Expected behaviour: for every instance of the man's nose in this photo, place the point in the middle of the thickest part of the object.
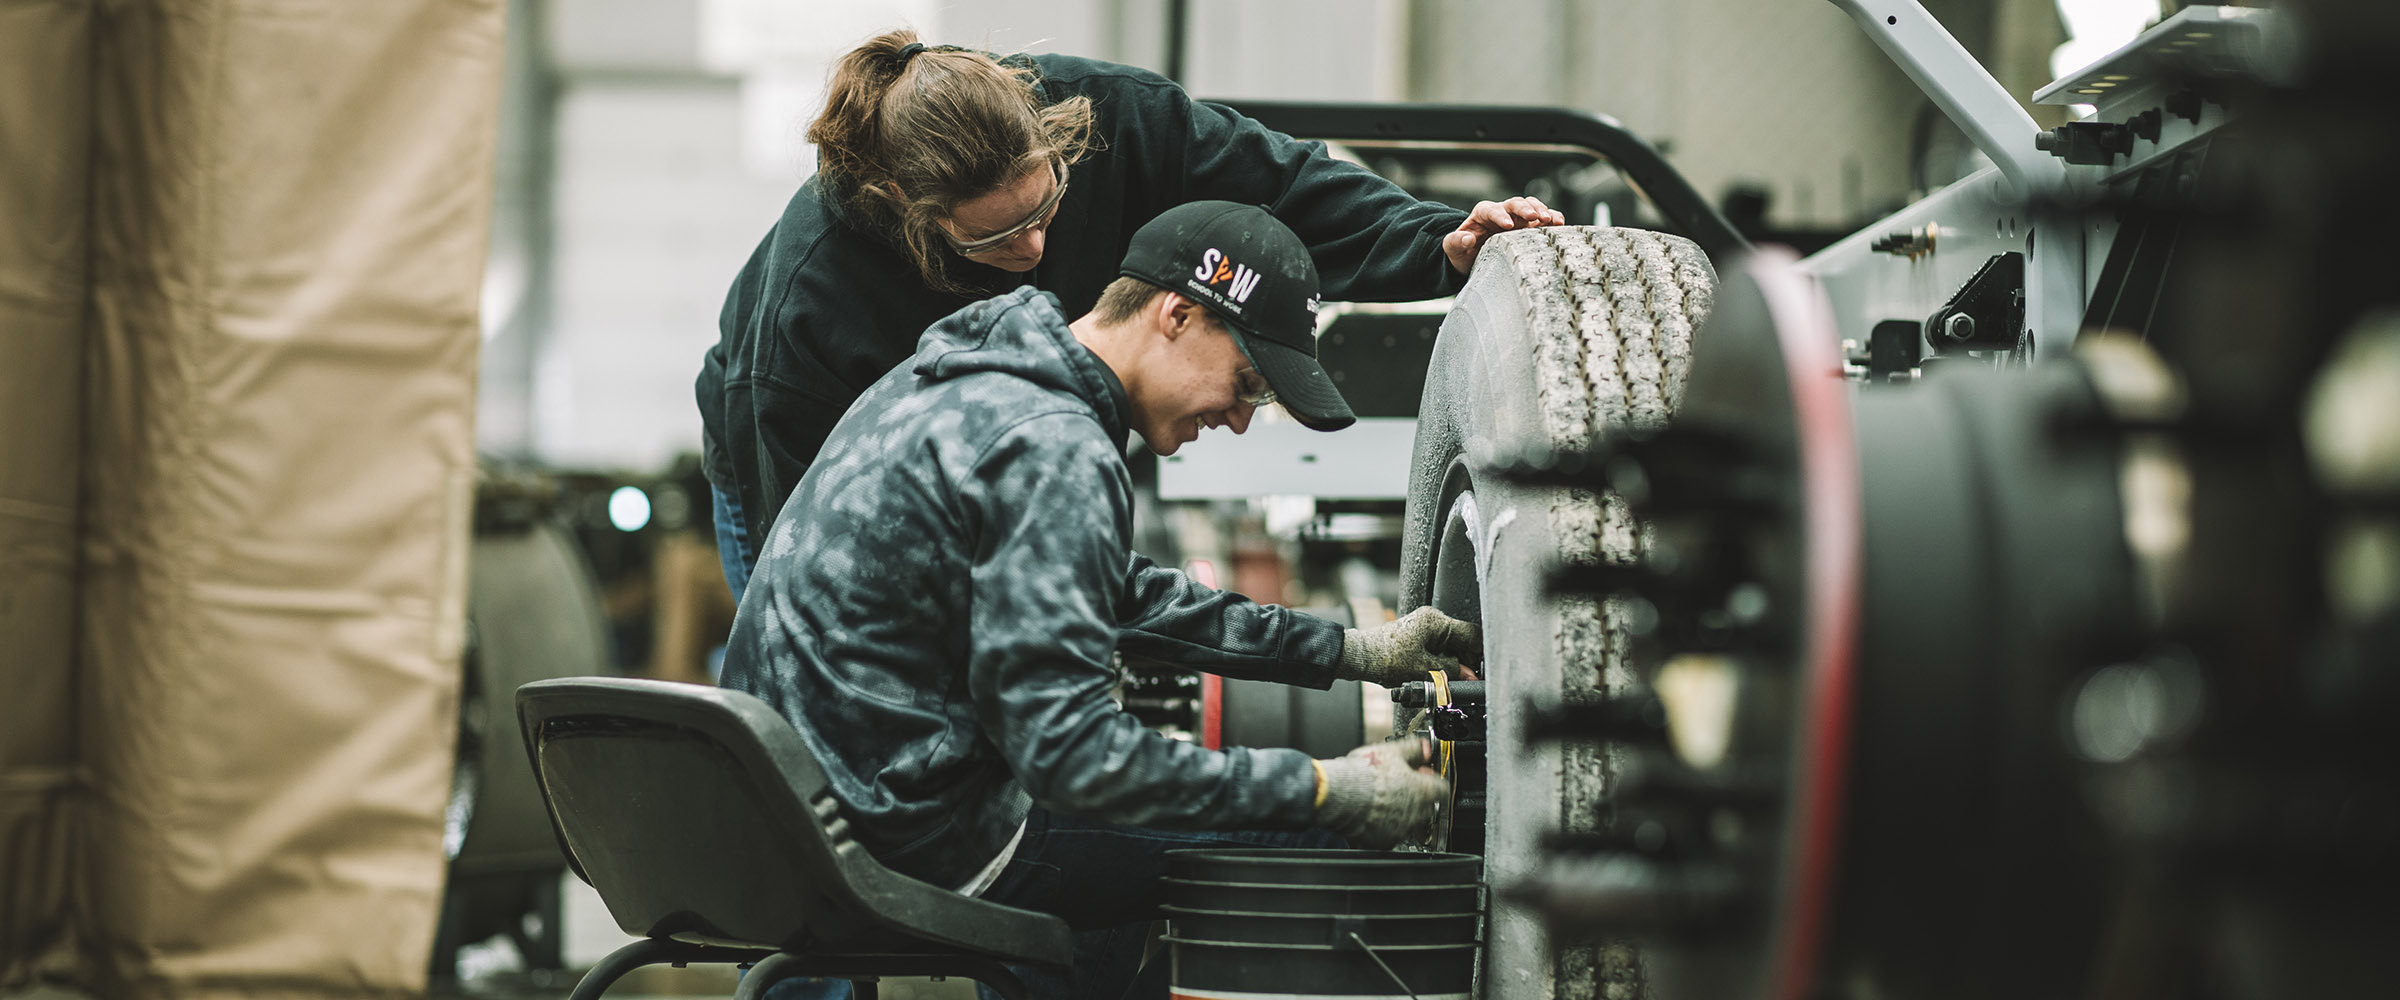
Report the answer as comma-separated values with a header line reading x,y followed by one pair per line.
x,y
1030,242
1238,418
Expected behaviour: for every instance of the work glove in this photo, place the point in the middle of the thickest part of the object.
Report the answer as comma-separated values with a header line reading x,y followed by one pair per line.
x,y
1377,796
1421,642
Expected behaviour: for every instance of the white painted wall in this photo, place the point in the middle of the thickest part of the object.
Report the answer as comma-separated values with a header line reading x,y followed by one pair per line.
x,y
678,139
1323,50
653,213
1785,93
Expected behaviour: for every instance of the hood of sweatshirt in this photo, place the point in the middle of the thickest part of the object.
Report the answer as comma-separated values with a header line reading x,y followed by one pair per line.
x,y
1023,333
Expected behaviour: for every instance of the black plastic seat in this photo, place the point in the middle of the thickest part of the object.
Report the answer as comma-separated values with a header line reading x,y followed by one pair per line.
x,y
709,831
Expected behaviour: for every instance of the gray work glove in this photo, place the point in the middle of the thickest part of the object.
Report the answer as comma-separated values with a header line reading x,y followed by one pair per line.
x,y
1421,642
1376,796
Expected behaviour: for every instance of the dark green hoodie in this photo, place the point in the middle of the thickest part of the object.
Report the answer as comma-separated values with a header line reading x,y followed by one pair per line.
x,y
826,305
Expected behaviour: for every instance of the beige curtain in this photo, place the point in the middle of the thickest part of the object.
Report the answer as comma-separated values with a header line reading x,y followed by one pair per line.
x,y
45,142
279,256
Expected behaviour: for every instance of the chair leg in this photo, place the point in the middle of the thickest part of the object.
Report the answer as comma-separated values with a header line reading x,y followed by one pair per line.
x,y
996,976
649,951
770,970
863,971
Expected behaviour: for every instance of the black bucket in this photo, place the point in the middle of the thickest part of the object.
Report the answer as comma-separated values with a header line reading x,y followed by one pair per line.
x,y
1268,897
1300,923
1300,866
1330,929
1218,970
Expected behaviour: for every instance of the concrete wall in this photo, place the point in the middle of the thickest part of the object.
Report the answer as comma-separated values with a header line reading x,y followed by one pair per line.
x,y
1783,94
674,137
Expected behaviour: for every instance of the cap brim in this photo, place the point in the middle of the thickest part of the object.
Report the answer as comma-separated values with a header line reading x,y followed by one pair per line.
x,y
1301,385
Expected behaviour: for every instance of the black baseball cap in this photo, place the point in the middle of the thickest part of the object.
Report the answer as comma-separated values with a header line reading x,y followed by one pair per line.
x,y
1249,270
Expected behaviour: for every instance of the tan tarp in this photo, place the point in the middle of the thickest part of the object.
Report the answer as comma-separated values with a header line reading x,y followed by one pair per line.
x,y
45,139
286,217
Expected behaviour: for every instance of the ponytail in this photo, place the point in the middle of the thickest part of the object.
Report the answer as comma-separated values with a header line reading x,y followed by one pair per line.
x,y
909,131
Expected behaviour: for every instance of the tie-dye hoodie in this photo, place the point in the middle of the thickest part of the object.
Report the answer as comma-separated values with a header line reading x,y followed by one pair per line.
x,y
936,606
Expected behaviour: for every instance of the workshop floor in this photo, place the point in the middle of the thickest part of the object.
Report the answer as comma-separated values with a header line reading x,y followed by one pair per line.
x,y
660,983
491,972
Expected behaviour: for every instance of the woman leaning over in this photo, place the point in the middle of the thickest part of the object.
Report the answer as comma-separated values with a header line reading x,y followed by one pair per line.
x,y
947,175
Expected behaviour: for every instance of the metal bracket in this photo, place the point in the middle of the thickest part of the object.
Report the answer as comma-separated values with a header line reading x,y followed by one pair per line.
x,y
2026,203
1960,86
1988,313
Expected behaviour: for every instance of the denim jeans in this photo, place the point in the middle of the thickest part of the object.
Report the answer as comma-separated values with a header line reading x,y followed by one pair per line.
x,y
1103,879
733,541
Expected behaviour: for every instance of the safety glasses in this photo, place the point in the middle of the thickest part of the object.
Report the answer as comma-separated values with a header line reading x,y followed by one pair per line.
x,y
1253,388
1039,218
1248,385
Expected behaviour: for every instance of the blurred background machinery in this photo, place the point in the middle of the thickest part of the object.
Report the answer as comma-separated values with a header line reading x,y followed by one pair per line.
x,y
533,613
2055,668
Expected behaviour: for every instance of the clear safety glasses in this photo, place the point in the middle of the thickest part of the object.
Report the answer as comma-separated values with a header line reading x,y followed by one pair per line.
x,y
1039,218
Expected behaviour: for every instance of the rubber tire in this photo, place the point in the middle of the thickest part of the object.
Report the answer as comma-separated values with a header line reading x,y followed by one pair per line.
x,y
1561,337
533,613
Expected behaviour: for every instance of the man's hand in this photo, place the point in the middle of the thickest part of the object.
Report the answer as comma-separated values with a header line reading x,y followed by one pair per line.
x,y
1381,794
1423,641
1491,218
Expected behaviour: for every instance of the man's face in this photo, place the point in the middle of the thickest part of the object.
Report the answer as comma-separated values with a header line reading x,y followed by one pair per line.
x,y
1197,380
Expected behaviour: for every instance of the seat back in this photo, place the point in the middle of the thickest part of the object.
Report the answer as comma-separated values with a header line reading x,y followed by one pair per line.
x,y
693,810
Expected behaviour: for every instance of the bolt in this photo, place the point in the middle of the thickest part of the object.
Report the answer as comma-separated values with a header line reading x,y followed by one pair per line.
x,y
2146,124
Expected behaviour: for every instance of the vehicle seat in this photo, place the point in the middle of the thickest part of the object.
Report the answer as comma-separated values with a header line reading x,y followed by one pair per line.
x,y
710,832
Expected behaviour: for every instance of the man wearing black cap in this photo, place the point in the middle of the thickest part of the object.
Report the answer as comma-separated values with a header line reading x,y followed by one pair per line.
x,y
936,608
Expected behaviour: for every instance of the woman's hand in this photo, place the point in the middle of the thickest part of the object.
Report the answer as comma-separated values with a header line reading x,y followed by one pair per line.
x,y
1491,218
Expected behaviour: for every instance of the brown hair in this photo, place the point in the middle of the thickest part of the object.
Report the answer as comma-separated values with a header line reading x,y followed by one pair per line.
x,y
908,135
1124,299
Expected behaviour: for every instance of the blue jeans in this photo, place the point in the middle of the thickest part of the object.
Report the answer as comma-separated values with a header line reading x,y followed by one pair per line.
x,y
733,541
1104,881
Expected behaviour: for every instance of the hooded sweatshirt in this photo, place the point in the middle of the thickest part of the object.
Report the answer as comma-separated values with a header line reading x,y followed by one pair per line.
x,y
936,607
829,302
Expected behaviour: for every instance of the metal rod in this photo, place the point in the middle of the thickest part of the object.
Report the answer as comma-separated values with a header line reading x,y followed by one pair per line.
x,y
1379,963
1483,127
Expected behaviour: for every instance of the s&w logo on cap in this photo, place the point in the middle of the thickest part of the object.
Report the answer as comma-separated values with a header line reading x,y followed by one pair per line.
x,y
1216,268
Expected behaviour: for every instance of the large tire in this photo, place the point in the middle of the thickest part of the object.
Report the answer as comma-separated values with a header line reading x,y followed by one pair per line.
x,y
1563,336
533,613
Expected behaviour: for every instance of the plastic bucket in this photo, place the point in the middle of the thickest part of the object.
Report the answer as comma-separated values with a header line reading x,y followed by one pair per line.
x,y
1265,897
1221,970
1306,924
1324,867
1331,929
